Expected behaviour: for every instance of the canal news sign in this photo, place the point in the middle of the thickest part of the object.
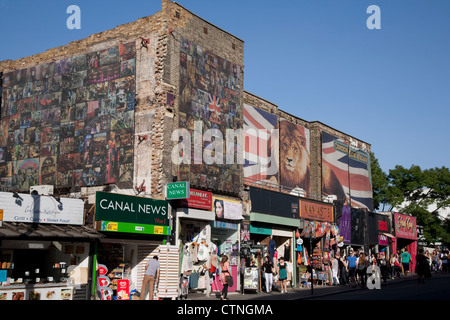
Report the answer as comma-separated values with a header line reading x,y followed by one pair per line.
x,y
131,214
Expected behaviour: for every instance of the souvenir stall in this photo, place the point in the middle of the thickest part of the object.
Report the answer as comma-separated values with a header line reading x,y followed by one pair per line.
x,y
320,238
250,260
315,242
198,258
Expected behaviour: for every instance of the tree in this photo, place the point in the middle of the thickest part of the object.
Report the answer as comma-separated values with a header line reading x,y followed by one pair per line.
x,y
379,183
421,194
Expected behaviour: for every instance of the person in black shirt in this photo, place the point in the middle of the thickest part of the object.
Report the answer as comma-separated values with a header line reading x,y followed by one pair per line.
x,y
268,273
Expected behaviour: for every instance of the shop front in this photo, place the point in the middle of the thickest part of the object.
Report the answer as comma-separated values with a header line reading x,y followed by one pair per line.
x,y
198,256
45,248
273,222
135,230
405,236
225,239
316,242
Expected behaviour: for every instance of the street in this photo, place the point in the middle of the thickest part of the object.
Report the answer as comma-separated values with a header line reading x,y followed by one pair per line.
x,y
435,288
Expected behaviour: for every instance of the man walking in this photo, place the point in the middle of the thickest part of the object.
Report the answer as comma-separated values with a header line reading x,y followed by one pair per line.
x,y
351,262
151,277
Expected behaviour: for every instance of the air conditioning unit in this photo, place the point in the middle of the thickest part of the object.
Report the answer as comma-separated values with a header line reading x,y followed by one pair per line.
x,y
299,192
43,190
331,198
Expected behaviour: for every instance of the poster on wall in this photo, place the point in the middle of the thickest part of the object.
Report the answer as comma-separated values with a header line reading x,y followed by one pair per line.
x,y
360,179
335,167
261,145
346,172
295,171
210,104
69,122
227,209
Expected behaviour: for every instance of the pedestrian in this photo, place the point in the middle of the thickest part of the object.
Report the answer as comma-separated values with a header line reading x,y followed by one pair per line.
x,y
282,274
406,259
224,274
151,277
351,266
444,261
342,269
335,268
422,266
435,263
268,273
382,264
362,265
396,266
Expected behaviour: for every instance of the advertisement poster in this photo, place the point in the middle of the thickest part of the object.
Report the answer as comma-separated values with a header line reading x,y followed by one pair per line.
x,y
227,209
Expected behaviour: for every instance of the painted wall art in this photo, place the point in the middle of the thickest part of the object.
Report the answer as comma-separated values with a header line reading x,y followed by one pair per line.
x,y
210,99
69,122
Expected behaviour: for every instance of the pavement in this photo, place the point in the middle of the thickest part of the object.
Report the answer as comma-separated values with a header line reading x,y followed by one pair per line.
x,y
297,293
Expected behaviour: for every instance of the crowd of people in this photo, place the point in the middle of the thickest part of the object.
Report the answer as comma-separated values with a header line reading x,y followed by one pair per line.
x,y
352,269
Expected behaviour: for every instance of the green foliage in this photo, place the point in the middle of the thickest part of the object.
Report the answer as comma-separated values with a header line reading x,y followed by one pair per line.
x,y
421,193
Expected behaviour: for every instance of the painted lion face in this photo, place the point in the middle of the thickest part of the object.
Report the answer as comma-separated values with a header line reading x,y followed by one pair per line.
x,y
294,157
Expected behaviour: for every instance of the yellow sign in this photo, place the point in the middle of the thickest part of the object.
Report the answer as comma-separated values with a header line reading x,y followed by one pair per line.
x,y
159,230
112,226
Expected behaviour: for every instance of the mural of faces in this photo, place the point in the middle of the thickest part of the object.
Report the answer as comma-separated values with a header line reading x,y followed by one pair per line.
x,y
210,89
69,122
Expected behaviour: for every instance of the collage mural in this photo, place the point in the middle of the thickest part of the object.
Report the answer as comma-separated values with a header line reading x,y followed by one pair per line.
x,y
69,122
210,95
346,172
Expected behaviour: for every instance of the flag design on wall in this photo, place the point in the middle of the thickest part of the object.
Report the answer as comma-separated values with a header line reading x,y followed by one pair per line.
x,y
360,179
260,145
346,172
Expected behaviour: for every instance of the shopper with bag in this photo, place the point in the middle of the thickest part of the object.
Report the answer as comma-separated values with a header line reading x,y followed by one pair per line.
x,y
225,277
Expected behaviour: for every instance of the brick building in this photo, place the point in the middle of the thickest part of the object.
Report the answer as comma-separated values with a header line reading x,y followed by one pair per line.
x,y
98,115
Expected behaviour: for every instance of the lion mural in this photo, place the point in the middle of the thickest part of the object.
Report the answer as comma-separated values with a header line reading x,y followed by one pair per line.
x,y
294,157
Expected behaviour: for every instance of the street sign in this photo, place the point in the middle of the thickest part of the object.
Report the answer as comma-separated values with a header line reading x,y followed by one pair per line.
x,y
177,190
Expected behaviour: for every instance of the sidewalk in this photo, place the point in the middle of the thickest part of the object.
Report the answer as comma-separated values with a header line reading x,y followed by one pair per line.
x,y
297,293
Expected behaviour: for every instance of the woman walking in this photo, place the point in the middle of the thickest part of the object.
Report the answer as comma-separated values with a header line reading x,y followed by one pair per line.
x,y
282,273
225,272
362,265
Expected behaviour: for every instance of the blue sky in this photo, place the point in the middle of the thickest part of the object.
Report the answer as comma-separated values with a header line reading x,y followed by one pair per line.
x,y
315,59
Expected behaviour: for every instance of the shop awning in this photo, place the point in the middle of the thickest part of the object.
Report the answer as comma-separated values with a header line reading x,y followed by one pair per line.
x,y
388,235
272,219
31,230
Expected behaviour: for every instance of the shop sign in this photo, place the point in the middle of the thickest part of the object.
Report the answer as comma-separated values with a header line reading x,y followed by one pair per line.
x,y
125,227
260,230
382,225
131,214
316,211
22,207
177,190
198,199
123,289
383,240
405,226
